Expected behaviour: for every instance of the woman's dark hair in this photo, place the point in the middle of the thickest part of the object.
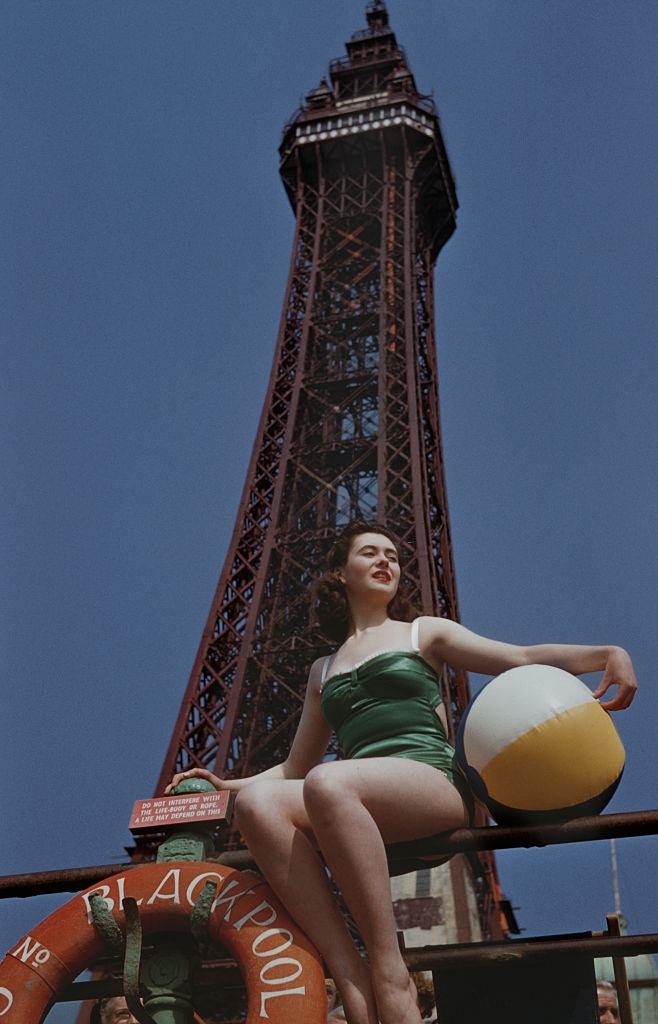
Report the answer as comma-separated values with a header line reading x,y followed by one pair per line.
x,y
332,613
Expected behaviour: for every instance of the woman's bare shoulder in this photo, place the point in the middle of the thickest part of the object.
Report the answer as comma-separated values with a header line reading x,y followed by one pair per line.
x,y
434,627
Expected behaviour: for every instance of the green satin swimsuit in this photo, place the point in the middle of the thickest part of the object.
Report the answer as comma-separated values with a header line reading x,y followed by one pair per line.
x,y
386,707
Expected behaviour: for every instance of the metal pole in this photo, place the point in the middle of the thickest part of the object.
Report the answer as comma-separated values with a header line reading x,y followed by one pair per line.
x,y
604,826
615,877
621,978
483,954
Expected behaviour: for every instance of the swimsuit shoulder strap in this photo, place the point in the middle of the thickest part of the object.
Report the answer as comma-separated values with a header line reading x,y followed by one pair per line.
x,y
325,668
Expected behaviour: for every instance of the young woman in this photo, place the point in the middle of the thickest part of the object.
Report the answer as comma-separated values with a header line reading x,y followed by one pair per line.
x,y
380,692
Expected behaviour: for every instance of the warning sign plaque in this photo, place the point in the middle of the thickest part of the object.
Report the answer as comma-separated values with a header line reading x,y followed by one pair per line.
x,y
187,809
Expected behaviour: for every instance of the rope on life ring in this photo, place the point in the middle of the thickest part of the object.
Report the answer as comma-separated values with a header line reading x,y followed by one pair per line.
x,y
282,971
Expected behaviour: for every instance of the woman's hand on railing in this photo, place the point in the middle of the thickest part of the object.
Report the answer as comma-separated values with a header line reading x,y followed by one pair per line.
x,y
198,773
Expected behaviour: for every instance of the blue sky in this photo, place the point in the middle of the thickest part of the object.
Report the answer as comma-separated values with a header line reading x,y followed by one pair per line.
x,y
144,255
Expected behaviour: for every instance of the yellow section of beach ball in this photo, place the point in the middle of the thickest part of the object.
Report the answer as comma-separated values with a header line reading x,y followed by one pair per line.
x,y
565,760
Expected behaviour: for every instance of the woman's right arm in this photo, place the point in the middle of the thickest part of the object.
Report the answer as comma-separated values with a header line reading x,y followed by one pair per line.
x,y
308,746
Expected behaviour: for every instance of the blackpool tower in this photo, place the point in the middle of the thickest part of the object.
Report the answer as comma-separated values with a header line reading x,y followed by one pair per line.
x,y
349,429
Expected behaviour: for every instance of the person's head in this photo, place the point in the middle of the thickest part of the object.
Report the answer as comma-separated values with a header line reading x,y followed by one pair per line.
x,y
113,1010
424,993
335,1010
362,567
606,994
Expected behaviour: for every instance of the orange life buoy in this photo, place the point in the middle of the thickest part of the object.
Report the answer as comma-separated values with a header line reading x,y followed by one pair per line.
x,y
282,971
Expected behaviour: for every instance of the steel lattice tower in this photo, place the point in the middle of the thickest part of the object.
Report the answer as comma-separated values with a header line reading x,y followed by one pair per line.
x,y
350,424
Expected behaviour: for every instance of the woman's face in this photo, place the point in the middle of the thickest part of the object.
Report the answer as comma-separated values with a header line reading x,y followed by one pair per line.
x,y
372,570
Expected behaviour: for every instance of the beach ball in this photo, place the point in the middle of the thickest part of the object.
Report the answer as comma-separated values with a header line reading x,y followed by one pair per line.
x,y
536,747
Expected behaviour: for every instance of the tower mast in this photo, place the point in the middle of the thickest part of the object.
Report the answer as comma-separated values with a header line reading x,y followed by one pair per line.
x,y
350,424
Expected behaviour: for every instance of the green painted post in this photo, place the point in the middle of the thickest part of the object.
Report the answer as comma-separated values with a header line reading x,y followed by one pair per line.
x,y
166,972
186,842
165,975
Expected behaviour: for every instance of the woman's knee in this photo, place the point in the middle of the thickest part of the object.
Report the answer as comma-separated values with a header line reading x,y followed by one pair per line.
x,y
252,804
324,791
267,801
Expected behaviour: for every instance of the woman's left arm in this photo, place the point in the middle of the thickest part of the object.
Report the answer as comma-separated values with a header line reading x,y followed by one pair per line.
x,y
452,642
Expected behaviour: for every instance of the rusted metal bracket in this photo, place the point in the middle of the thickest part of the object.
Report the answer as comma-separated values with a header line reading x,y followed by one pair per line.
x,y
132,961
105,925
200,915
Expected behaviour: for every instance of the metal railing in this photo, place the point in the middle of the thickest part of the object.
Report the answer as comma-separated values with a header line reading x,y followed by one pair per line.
x,y
429,958
460,840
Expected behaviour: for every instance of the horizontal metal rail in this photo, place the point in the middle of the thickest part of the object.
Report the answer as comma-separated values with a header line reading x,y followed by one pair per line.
x,y
501,837
225,973
461,840
482,954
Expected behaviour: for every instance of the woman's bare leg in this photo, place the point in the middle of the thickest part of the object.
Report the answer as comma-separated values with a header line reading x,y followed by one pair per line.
x,y
273,820
356,806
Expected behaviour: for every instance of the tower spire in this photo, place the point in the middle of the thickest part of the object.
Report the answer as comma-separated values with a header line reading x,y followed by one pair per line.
x,y
377,16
